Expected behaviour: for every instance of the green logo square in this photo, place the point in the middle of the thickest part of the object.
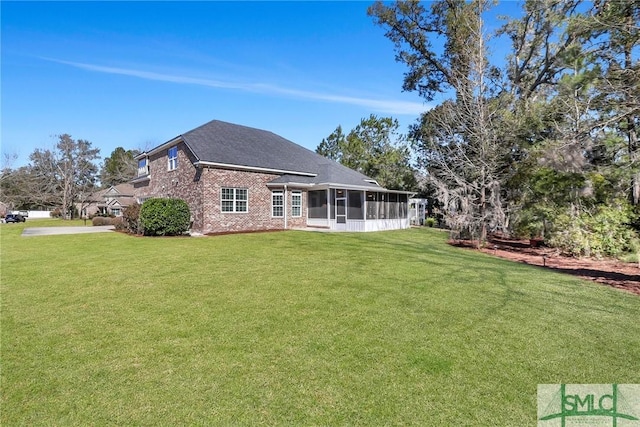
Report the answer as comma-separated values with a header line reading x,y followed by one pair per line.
x,y
585,405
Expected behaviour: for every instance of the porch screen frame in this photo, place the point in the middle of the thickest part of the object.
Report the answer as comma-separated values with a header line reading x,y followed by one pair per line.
x,y
355,205
319,211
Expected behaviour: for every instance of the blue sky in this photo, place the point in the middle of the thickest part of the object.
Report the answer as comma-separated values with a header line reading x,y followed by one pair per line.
x,y
136,74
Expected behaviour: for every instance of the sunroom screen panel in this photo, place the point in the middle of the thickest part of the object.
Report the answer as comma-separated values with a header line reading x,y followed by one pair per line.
x,y
356,210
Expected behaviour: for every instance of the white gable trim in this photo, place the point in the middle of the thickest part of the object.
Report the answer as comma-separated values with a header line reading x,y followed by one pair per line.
x,y
165,146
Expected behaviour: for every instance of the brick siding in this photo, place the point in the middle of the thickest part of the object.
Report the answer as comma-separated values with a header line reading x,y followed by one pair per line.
x,y
201,189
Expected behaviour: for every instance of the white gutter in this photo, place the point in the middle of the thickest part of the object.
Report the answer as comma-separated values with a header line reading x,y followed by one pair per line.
x,y
350,187
362,188
325,185
292,184
251,168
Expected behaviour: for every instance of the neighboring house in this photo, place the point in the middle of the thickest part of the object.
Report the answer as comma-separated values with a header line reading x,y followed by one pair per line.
x,y
236,178
110,201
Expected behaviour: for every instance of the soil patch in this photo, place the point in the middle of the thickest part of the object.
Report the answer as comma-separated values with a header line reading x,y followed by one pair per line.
x,y
609,272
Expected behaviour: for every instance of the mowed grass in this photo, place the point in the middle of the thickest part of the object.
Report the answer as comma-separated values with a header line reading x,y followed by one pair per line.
x,y
294,328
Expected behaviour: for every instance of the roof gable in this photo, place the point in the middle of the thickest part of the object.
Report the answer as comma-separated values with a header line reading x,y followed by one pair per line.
x,y
124,189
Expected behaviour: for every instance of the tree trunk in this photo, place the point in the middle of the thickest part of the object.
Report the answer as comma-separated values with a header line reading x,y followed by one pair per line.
x,y
483,216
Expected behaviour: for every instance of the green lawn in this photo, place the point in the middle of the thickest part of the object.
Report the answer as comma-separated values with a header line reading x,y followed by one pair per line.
x,y
294,328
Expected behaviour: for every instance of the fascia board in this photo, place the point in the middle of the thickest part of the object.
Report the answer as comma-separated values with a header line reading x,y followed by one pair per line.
x,y
251,168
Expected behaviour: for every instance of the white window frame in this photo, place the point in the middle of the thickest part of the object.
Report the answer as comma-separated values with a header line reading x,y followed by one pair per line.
x,y
274,195
143,170
296,203
234,199
172,162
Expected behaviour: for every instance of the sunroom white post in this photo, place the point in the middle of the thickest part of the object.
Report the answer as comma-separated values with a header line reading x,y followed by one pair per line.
x,y
328,205
364,206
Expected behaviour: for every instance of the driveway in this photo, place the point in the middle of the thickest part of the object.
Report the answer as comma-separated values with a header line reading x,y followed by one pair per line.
x,y
50,231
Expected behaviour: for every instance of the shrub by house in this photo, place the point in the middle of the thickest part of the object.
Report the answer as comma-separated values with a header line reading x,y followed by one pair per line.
x,y
164,217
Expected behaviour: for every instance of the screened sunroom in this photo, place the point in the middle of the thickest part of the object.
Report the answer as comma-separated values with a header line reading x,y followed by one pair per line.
x,y
358,210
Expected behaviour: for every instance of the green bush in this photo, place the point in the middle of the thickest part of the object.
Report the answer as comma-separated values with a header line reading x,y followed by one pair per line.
x,y
533,222
631,258
430,222
605,231
131,219
164,217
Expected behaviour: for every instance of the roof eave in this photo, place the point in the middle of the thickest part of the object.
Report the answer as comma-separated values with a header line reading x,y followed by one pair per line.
x,y
251,168
140,179
325,185
291,184
351,186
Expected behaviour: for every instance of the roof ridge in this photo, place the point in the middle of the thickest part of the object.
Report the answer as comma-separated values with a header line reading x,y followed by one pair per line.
x,y
227,123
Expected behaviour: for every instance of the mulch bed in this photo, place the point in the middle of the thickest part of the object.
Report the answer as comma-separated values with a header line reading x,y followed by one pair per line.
x,y
609,272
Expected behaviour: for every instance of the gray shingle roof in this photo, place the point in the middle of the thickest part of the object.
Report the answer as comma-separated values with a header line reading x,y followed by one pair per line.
x,y
231,144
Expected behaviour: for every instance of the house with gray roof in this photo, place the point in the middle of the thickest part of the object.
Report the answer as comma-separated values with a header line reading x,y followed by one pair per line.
x,y
239,179
109,201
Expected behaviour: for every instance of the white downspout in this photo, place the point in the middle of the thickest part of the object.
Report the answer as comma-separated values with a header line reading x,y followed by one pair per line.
x,y
285,206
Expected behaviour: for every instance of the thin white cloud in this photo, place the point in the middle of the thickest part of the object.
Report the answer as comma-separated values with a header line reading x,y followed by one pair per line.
x,y
378,105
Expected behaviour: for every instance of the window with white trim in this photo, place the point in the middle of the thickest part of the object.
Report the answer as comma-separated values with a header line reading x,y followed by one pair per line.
x,y
296,203
143,167
172,156
277,203
234,199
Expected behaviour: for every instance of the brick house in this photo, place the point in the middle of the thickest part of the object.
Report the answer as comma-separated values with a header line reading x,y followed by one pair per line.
x,y
109,201
237,179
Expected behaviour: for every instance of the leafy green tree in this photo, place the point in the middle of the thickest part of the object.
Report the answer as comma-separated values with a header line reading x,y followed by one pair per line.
x,y
612,41
572,61
540,39
331,147
551,135
375,148
444,46
119,167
